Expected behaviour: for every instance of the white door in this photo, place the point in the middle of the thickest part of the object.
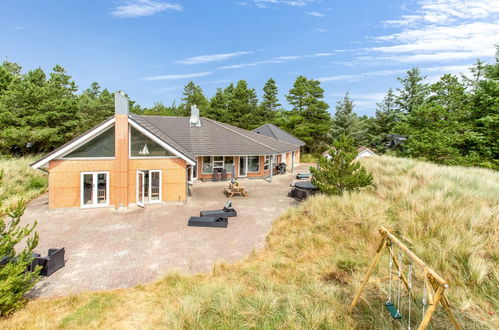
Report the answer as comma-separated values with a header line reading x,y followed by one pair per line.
x,y
140,188
94,189
155,186
243,166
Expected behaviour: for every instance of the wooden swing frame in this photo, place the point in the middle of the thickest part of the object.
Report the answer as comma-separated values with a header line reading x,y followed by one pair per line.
x,y
432,280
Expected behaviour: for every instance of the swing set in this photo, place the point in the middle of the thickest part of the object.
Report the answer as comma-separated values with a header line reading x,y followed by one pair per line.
x,y
434,285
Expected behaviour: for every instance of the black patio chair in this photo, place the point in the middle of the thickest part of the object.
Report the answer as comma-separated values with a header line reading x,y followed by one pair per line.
x,y
52,262
226,212
208,222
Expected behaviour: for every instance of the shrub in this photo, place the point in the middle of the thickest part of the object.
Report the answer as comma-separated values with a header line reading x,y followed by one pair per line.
x,y
15,281
339,172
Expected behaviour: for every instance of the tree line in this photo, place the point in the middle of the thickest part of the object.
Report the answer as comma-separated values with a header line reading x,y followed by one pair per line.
x,y
452,121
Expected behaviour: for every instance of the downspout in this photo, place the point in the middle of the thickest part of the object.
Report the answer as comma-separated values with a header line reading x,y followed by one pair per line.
x,y
271,167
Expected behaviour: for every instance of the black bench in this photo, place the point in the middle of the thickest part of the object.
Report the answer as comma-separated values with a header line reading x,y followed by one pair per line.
x,y
226,212
208,222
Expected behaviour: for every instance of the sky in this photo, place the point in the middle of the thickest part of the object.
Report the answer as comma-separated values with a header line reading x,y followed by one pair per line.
x,y
152,48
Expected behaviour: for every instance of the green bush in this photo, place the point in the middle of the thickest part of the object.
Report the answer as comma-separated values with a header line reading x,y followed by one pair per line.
x,y
15,281
37,182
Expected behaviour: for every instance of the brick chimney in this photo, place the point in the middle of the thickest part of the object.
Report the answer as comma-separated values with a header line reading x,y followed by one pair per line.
x,y
120,179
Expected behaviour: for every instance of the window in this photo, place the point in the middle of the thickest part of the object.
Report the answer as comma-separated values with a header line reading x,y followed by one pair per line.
x,y
218,162
207,165
253,164
142,146
228,163
266,164
100,146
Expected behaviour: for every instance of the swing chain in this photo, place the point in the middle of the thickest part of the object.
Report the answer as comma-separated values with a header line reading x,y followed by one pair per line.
x,y
400,282
409,279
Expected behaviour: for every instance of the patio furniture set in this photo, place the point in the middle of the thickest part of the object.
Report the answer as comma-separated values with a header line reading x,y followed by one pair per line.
x,y
51,263
302,187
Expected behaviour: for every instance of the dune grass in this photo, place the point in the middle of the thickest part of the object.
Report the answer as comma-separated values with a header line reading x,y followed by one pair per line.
x,y
18,181
314,259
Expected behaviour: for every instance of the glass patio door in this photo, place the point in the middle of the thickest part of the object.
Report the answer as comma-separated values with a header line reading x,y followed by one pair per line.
x,y
243,166
154,186
140,188
94,189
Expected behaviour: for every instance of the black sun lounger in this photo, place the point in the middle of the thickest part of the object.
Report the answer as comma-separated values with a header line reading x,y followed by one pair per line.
x,y
208,222
226,212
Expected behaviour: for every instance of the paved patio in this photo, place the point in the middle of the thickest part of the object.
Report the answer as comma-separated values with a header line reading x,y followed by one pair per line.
x,y
107,249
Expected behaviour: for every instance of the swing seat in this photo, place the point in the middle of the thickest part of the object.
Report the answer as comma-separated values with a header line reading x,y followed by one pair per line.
x,y
393,310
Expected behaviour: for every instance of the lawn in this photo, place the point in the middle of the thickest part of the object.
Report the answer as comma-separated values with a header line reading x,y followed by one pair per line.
x,y
314,259
18,181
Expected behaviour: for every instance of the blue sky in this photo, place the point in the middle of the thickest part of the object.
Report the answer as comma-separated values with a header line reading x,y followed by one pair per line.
x,y
151,48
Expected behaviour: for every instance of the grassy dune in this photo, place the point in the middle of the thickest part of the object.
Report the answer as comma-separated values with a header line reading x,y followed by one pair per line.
x,y
315,257
19,181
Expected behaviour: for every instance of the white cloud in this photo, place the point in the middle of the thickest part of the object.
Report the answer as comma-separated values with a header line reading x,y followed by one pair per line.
x,y
278,59
266,3
452,69
442,30
138,8
211,58
178,76
245,65
321,30
314,13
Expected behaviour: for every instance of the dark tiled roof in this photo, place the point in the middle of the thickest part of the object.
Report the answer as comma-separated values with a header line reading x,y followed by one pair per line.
x,y
278,134
212,138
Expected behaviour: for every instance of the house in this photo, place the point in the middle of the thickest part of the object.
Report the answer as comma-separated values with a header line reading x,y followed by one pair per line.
x,y
361,153
364,152
131,159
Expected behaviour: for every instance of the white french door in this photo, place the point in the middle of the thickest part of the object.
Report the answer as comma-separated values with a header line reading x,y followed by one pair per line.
x,y
94,189
149,187
243,166
140,188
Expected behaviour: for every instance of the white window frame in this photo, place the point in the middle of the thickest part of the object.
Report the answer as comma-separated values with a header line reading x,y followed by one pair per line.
x,y
94,191
266,163
158,141
160,186
239,167
248,162
149,189
202,167
73,145
143,157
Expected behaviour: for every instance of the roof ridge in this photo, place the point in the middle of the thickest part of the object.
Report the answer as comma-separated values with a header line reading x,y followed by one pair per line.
x,y
223,125
271,130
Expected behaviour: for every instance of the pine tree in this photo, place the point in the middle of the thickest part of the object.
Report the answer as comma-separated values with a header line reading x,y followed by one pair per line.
x,y
384,122
193,95
269,107
242,106
340,172
15,281
94,106
413,92
346,122
309,119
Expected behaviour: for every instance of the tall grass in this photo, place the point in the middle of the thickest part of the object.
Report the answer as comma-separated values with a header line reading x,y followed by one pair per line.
x,y
18,181
315,257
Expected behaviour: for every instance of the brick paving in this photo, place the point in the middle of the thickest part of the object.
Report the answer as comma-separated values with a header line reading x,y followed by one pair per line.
x,y
108,249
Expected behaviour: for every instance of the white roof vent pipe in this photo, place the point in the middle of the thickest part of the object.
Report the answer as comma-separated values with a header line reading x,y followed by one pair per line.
x,y
195,120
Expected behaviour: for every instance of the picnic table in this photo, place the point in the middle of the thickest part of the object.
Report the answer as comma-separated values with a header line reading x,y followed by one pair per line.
x,y
234,190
